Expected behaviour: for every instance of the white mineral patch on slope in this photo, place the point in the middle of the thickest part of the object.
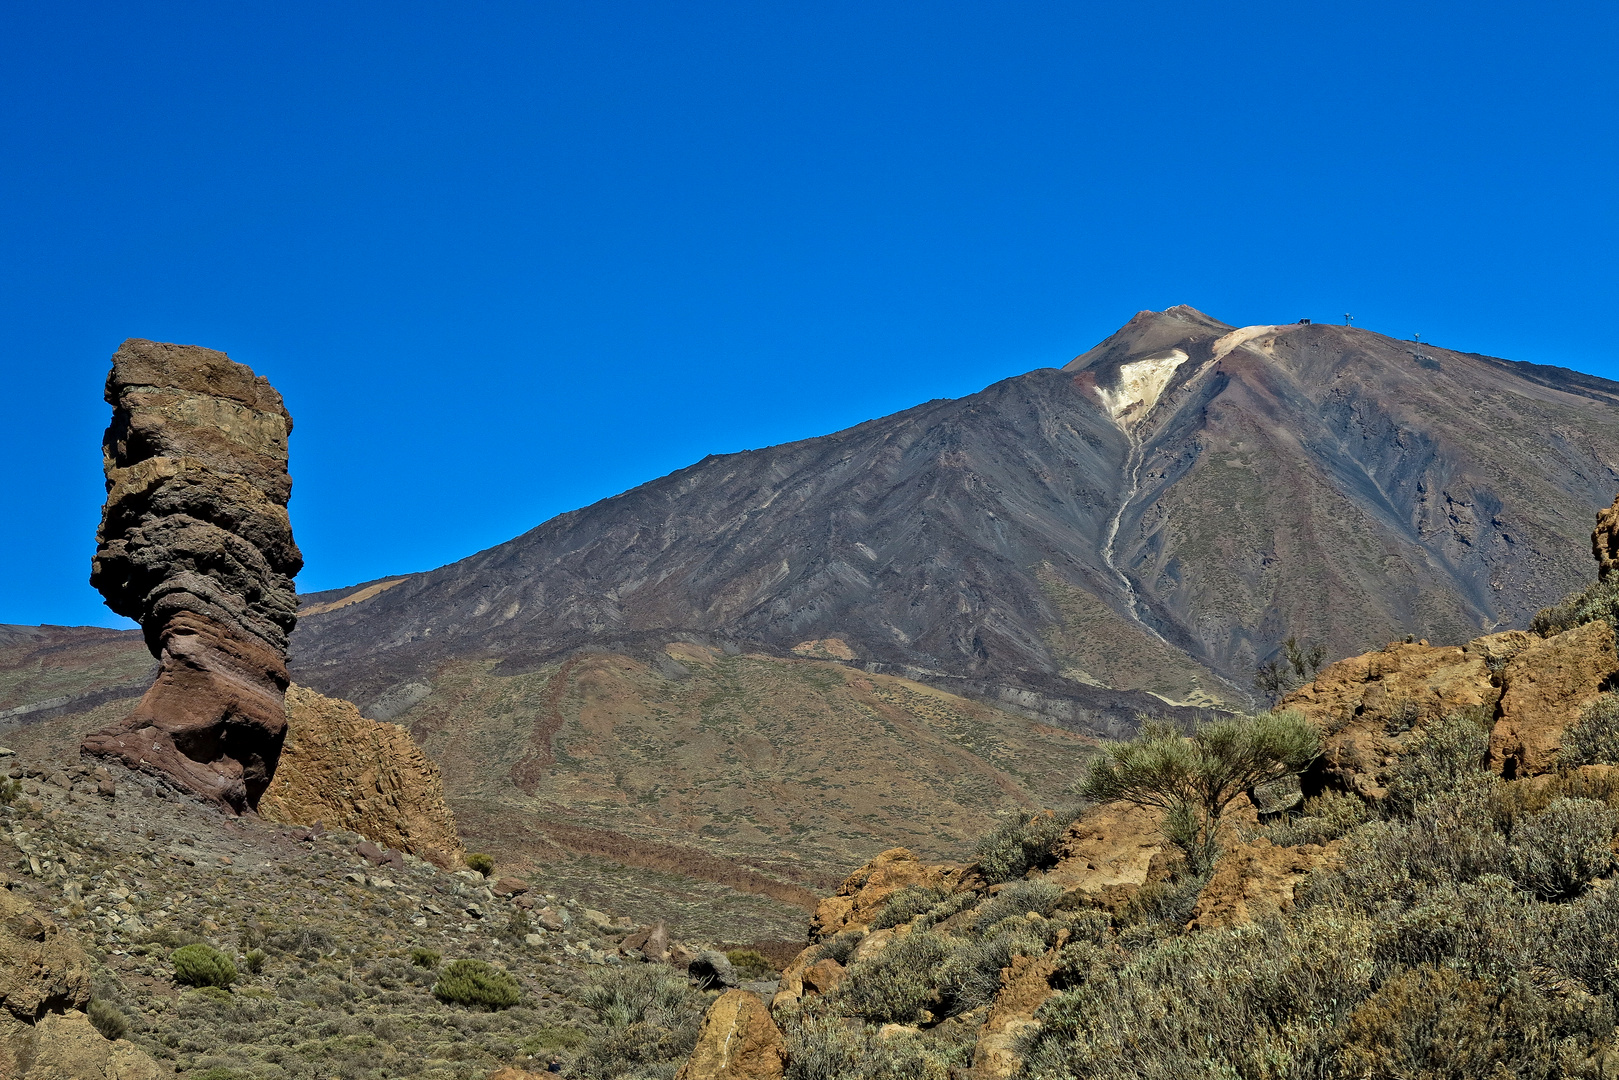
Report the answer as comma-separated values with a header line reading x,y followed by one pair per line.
x,y
1246,335
1140,385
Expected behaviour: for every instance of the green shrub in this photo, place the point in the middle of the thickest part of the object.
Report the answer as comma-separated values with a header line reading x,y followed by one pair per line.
x,y
1593,739
106,1018
1018,898
424,958
9,790
1028,841
1442,842
839,948
823,1047
640,993
202,965
1442,760
1322,819
749,964
1599,600
906,904
477,985
483,864
971,975
649,1019
1560,851
254,961
1261,1000
893,985
1194,778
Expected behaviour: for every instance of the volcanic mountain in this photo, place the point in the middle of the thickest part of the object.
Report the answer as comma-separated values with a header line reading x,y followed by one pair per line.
x,y
1153,518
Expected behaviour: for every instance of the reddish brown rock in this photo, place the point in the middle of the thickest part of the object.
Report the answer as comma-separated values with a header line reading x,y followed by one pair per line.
x,y
1547,684
1109,853
195,545
864,892
349,772
823,976
738,1041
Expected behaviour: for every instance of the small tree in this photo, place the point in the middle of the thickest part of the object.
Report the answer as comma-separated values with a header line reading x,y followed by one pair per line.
x,y
1194,778
1296,666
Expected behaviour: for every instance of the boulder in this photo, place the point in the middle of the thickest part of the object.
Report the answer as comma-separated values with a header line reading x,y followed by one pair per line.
x,y
509,886
1605,541
652,942
339,768
44,987
864,893
737,1041
196,546
1109,852
1546,686
711,970
823,976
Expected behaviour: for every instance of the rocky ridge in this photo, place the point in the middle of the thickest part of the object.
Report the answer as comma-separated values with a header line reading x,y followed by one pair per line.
x,y
196,546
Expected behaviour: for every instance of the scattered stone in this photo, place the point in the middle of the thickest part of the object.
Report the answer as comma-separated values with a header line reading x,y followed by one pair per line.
x,y
510,886
711,970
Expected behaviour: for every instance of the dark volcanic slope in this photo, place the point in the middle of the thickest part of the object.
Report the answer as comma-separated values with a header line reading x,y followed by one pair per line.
x,y
1312,479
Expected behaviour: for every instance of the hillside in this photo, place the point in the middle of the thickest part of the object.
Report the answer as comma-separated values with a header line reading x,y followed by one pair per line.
x,y
1153,519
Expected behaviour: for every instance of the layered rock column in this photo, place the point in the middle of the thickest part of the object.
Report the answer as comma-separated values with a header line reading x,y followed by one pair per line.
x,y
195,545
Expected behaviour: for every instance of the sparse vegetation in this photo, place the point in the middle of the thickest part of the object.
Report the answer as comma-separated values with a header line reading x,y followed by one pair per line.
x,y
202,965
424,958
649,1017
1593,739
1194,778
907,904
477,984
1599,600
1285,673
108,1019
749,964
481,863
1027,841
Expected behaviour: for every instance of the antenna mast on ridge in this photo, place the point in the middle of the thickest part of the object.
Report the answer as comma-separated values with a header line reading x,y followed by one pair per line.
x,y
1348,318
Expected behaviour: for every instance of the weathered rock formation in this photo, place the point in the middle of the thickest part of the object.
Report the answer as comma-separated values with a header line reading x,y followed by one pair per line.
x,y
1528,689
345,771
44,988
738,1041
195,545
1605,540
864,892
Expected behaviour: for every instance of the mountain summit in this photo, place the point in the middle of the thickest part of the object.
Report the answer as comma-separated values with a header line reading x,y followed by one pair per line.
x,y
1154,518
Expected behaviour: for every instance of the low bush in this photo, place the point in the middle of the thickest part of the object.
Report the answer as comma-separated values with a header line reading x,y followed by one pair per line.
x,y
1560,851
906,904
424,958
202,965
254,961
971,975
1321,820
1028,841
1599,600
483,864
749,964
649,1019
893,985
1019,898
1445,758
1593,739
821,1047
477,985
839,948
106,1018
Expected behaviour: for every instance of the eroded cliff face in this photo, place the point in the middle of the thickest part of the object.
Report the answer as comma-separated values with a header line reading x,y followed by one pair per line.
x,y
347,772
195,545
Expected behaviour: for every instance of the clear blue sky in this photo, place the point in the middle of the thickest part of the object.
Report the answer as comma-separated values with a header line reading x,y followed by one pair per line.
x,y
506,259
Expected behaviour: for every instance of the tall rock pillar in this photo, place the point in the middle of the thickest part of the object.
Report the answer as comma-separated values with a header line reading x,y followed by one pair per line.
x,y
195,545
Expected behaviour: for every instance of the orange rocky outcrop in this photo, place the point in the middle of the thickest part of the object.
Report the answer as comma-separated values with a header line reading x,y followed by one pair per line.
x,y
1025,986
1546,685
44,989
1530,689
1109,853
348,772
1256,878
864,892
738,1041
